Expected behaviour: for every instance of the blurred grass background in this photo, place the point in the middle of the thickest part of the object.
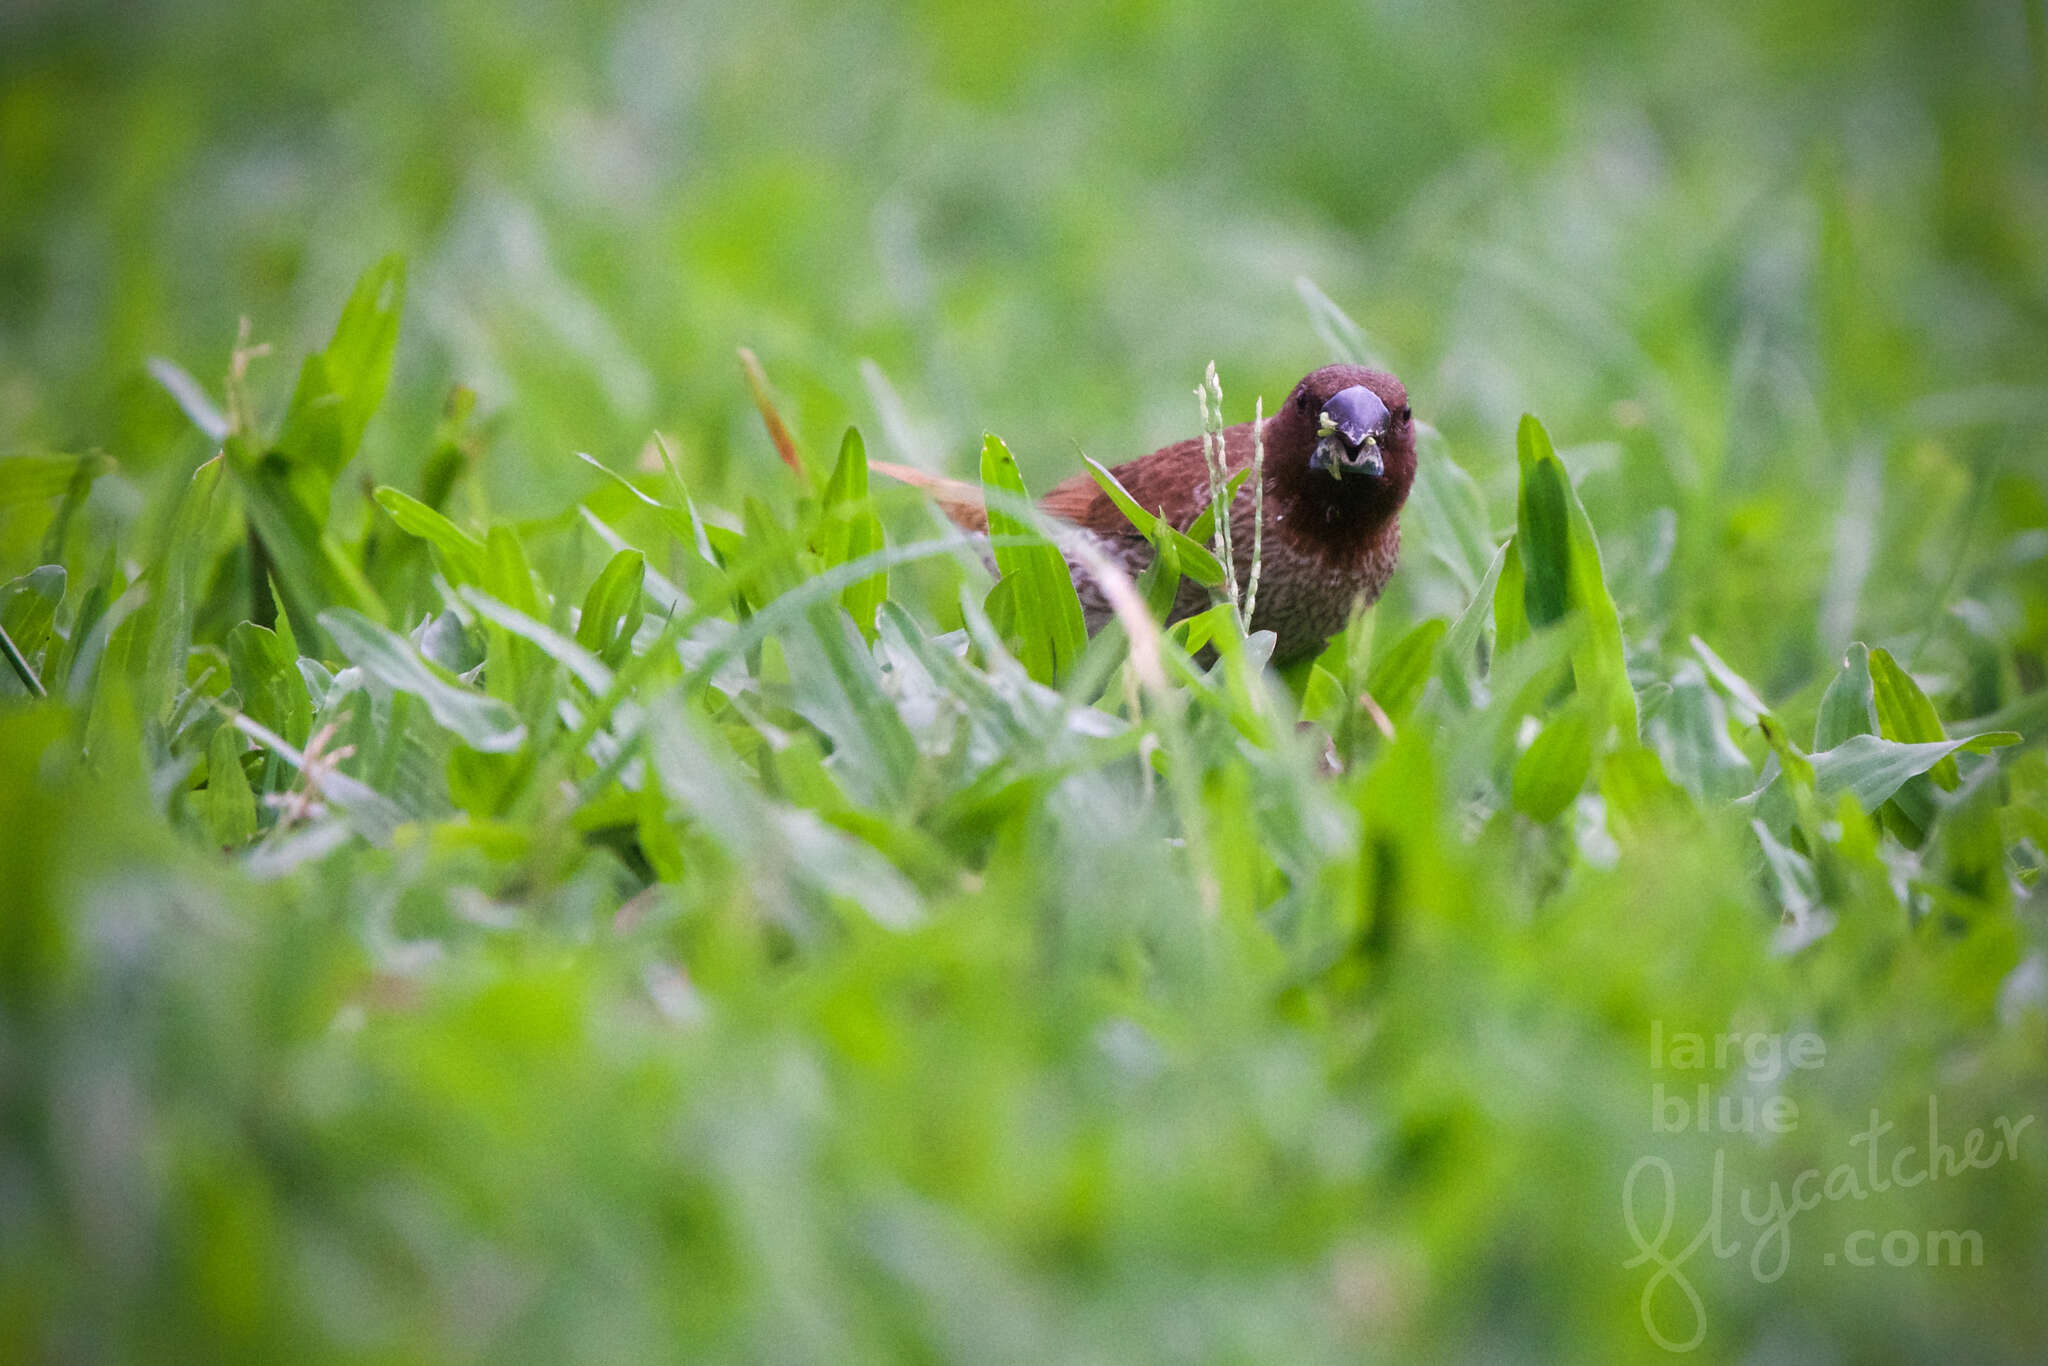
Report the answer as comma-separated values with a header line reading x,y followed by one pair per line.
x,y
1775,276
1774,263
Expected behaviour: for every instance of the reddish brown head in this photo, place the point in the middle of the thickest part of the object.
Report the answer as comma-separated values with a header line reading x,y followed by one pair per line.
x,y
1344,442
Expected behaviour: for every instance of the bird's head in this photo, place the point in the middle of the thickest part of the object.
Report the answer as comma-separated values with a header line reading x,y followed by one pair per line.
x,y
1349,440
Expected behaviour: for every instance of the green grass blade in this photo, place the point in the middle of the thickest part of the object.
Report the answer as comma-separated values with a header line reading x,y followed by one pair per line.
x,y
1397,678
583,663
461,554
28,610
1543,530
850,529
1550,773
1848,708
1461,642
19,663
266,677
1046,625
28,479
229,804
613,608
1560,559
341,386
836,687
310,568
680,521
483,723
1194,558
1510,611
1904,714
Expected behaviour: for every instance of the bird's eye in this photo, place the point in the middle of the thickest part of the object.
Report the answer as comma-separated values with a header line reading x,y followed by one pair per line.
x,y
1401,413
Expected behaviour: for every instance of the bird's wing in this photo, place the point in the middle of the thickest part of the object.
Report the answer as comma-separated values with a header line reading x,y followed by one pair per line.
x,y
958,499
1080,500
1173,480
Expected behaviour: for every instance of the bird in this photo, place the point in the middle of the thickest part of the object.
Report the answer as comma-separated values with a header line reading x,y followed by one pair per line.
x,y
1339,463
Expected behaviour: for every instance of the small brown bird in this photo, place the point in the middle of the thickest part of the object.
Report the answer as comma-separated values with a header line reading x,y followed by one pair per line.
x,y
1339,461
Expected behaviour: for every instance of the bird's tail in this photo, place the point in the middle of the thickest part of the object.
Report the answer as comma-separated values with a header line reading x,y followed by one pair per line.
x,y
958,499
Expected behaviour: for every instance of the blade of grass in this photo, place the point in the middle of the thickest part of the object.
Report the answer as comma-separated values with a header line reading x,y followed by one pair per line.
x,y
20,665
1904,714
1047,626
850,529
462,554
1560,557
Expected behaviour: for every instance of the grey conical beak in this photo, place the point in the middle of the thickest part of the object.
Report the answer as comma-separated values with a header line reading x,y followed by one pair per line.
x,y
1349,429
1356,413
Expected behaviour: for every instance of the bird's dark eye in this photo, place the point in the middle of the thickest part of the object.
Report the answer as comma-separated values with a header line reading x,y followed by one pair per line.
x,y
1301,400
1401,413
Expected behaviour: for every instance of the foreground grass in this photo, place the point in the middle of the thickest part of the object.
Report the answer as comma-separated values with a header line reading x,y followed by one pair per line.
x,y
652,931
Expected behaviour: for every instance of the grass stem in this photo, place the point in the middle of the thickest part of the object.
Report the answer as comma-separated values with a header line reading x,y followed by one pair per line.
x,y
1251,591
22,670
1216,456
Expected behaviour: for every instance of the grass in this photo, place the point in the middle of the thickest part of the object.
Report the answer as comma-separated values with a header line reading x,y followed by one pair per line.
x,y
461,901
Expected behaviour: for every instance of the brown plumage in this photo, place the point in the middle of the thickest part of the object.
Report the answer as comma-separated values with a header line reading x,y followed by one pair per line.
x,y
1340,459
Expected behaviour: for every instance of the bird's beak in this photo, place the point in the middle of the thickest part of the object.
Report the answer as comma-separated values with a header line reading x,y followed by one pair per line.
x,y
1336,456
1355,414
1348,434
1328,456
